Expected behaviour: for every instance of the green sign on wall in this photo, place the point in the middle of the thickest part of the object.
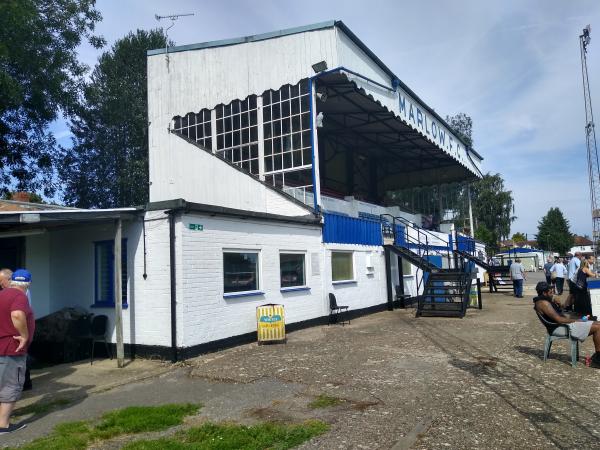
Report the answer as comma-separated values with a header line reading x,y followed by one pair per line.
x,y
196,227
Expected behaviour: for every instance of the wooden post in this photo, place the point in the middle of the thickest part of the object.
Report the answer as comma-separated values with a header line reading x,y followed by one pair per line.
x,y
118,294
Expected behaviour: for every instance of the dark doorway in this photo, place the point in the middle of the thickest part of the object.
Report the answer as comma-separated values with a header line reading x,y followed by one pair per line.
x,y
11,253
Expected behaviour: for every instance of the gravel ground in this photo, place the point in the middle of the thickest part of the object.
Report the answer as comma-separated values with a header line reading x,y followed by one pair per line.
x,y
424,383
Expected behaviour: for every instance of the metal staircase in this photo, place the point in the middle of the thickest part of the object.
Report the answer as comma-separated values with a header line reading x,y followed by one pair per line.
x,y
499,276
446,287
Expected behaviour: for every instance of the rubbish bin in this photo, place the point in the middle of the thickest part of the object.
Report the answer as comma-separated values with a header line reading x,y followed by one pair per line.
x,y
594,287
270,323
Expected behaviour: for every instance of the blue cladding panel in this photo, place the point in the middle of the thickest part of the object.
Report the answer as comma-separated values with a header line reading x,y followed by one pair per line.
x,y
466,244
350,230
400,236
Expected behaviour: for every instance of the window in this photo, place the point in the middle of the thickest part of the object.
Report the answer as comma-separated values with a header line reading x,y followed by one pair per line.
x,y
291,268
240,271
195,127
286,127
237,133
406,267
105,269
342,266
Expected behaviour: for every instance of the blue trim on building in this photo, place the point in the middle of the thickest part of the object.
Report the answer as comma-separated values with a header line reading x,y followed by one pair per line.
x,y
294,289
242,294
351,230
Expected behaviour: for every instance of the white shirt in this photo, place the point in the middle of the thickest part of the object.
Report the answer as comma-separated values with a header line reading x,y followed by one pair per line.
x,y
560,269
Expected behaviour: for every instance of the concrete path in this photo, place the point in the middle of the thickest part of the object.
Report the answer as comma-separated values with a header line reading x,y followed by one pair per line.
x,y
425,383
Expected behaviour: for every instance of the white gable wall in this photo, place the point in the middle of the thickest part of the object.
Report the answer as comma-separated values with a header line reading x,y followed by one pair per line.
x,y
204,78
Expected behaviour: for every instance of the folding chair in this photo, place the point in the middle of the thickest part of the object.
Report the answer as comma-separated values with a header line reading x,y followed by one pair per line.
x,y
335,310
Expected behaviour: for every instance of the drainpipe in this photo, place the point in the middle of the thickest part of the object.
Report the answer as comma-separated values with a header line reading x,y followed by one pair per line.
x,y
172,217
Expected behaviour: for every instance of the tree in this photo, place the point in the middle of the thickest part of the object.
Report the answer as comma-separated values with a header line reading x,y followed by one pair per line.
x,y
519,238
492,204
488,237
462,125
40,80
553,232
107,166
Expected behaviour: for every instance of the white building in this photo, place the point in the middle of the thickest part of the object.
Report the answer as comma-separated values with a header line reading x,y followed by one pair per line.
x,y
270,157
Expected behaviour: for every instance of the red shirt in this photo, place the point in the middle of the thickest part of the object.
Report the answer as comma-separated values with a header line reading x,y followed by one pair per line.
x,y
12,299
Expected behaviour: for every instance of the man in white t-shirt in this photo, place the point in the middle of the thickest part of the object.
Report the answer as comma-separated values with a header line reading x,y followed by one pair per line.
x,y
517,275
560,271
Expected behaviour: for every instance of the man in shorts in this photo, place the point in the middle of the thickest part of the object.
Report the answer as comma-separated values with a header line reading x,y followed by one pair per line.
x,y
16,332
579,329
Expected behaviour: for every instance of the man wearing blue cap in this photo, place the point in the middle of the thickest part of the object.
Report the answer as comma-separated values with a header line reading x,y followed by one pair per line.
x,y
16,332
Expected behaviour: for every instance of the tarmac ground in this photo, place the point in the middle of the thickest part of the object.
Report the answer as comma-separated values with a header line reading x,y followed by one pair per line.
x,y
403,382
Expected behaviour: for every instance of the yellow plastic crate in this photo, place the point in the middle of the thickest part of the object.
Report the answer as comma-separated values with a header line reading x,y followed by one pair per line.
x,y
270,323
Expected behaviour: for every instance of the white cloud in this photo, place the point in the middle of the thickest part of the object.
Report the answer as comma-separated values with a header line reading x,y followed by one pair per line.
x,y
512,65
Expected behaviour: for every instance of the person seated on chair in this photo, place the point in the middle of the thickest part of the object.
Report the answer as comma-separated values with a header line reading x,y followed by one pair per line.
x,y
549,309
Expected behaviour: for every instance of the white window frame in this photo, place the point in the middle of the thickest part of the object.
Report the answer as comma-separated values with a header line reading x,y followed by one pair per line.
x,y
299,287
352,258
258,290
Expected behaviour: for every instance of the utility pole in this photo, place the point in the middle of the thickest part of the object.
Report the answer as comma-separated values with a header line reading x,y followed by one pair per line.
x,y
590,140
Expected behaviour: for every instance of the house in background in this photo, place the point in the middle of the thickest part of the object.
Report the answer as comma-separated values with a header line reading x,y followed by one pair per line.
x,y
583,245
270,159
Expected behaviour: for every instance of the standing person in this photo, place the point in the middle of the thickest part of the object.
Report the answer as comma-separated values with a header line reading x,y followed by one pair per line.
x,y
583,304
517,275
560,272
547,270
572,269
5,276
17,326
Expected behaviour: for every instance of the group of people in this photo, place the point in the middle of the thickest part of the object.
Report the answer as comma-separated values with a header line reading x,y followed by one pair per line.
x,y
576,273
17,326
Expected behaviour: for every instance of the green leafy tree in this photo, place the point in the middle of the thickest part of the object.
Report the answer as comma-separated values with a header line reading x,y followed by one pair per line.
x,y
553,232
107,166
40,80
488,237
519,238
492,205
462,125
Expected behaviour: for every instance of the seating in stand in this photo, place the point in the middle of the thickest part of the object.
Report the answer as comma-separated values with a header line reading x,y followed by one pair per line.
x,y
563,333
335,310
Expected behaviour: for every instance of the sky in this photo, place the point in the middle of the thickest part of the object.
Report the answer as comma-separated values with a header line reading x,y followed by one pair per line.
x,y
513,66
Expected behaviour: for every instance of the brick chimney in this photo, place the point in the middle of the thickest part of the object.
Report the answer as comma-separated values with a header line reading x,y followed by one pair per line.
x,y
21,197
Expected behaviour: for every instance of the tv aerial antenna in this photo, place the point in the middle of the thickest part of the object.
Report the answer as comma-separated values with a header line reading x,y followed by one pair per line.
x,y
172,18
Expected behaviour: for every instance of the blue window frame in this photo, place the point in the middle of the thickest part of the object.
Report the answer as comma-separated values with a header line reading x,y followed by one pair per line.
x,y
104,269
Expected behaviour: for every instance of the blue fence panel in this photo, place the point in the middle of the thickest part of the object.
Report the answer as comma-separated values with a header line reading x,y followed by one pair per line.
x,y
465,243
350,230
400,236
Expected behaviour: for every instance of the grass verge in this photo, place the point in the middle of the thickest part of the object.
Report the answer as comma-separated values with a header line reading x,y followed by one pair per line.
x,y
324,401
212,436
135,419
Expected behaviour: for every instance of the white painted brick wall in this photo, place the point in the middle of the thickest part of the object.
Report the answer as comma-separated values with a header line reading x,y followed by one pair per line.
x,y
207,316
368,289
